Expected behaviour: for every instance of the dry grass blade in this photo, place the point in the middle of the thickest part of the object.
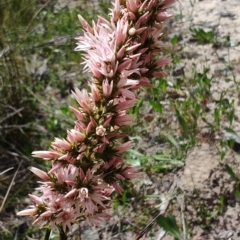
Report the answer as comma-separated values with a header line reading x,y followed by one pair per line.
x,y
163,208
1,173
10,186
11,114
30,22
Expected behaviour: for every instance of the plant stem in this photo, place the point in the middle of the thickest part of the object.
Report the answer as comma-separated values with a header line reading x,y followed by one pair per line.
x,y
62,234
47,234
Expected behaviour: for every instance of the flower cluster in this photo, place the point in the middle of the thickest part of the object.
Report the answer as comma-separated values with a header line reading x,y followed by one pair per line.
x,y
122,55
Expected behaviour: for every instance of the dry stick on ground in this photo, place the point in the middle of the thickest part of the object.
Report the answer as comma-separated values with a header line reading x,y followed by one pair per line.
x,y
11,114
163,208
183,218
29,24
1,173
10,186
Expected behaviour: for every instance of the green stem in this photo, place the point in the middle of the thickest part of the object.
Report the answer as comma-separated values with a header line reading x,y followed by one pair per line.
x,y
47,234
62,234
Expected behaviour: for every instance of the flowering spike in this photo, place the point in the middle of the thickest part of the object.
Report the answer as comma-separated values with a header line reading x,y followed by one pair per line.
x,y
122,55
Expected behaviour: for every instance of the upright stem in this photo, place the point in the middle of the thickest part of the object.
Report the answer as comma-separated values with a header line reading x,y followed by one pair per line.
x,y
47,234
62,234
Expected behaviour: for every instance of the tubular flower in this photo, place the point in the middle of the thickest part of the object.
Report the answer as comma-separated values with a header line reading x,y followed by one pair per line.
x,y
122,55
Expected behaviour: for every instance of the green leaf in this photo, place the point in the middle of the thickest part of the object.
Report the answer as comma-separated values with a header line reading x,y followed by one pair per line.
x,y
134,152
137,107
156,106
181,121
231,117
231,173
216,117
231,131
169,224
134,162
208,123
238,194
162,84
115,204
161,168
197,108
124,198
172,140
174,40
65,110
47,234
161,158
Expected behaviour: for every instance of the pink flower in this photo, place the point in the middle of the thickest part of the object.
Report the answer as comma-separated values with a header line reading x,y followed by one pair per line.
x,y
117,187
123,147
162,16
133,5
66,218
107,88
122,55
131,172
123,120
36,199
61,144
101,131
75,136
78,114
82,98
27,212
167,3
95,93
47,155
121,31
96,219
85,24
125,105
115,12
40,173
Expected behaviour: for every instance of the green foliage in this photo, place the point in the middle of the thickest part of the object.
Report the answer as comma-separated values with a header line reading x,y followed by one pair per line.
x,y
202,36
235,178
169,224
231,173
158,162
174,40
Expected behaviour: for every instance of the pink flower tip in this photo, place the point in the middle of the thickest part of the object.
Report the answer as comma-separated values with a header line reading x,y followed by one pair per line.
x,y
40,173
27,212
47,155
36,199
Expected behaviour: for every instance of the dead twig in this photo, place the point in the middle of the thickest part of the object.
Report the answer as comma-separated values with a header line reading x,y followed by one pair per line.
x,y
181,202
11,114
163,208
10,186
1,173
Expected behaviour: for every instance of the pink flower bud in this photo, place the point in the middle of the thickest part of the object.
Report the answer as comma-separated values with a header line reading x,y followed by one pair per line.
x,y
131,31
162,16
27,212
61,144
101,131
36,199
85,24
47,155
40,173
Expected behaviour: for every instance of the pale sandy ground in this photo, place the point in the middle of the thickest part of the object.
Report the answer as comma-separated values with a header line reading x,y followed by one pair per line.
x,y
204,172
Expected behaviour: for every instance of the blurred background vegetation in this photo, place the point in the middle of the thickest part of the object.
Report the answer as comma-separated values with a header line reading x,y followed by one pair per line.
x,y
38,70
